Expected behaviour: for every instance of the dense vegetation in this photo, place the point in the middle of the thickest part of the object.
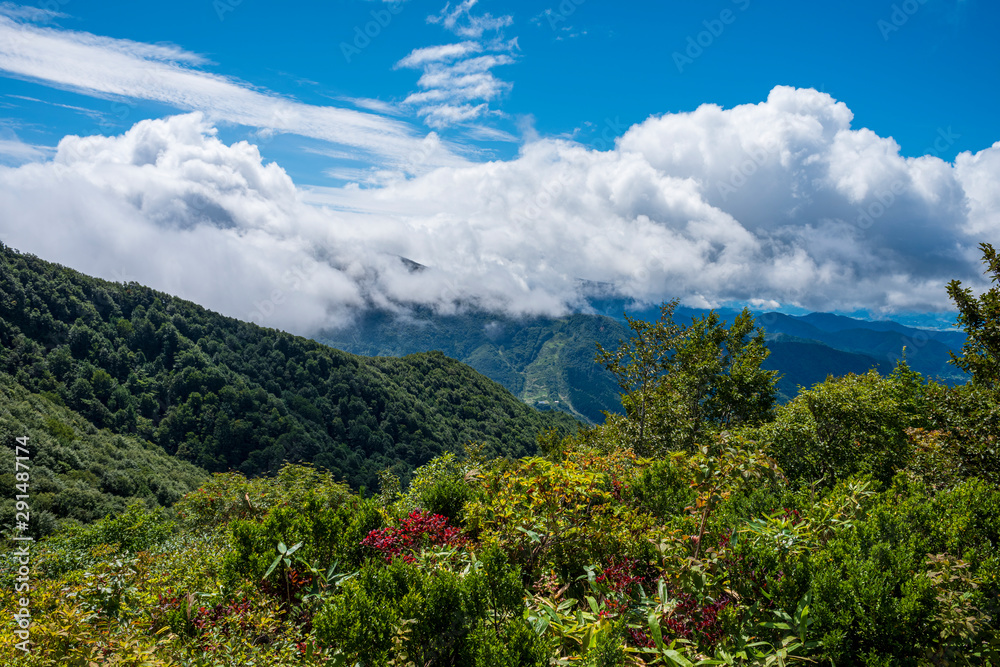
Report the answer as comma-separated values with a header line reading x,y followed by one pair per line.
x,y
857,524
224,394
80,473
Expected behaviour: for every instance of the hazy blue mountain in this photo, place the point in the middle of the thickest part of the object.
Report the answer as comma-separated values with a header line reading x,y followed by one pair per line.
x,y
549,362
926,350
803,363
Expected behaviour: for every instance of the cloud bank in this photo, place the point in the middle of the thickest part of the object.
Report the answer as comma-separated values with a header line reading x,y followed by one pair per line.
x,y
781,201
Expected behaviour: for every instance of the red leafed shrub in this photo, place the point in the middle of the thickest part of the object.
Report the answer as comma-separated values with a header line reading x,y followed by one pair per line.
x,y
621,576
418,530
640,638
296,585
617,488
691,620
224,618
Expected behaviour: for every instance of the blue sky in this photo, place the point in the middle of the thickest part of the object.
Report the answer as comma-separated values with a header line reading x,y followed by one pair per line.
x,y
587,70
375,112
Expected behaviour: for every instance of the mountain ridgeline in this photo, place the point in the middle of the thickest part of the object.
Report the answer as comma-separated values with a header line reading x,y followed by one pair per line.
x,y
224,394
549,362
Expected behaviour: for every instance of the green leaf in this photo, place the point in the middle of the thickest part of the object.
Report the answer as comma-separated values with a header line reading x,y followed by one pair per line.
x,y
654,629
676,658
273,565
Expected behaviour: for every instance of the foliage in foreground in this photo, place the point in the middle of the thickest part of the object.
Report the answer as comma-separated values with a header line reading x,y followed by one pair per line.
x,y
591,556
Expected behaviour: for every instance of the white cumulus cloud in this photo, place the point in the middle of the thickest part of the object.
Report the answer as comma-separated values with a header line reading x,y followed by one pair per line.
x,y
777,202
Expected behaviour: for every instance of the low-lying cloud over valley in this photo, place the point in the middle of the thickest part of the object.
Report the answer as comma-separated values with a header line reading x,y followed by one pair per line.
x,y
777,201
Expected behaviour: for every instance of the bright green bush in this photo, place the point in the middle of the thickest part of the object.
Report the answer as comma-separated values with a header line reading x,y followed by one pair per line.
x,y
328,534
843,427
403,612
879,595
444,486
136,529
515,645
663,488
968,421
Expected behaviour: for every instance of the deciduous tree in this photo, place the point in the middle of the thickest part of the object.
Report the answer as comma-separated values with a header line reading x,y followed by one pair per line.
x,y
980,317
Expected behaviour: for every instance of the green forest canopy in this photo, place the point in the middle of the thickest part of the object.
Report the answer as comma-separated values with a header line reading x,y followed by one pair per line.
x,y
225,394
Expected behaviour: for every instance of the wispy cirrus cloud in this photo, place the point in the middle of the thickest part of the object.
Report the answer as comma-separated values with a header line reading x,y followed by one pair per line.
x,y
457,84
72,107
460,20
13,150
114,68
28,13
443,52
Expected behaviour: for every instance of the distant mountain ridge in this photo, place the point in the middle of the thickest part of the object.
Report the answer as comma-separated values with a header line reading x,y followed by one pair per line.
x,y
926,350
549,362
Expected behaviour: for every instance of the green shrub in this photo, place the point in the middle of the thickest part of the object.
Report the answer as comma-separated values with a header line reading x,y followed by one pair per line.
x,y
408,613
968,419
879,593
443,486
136,529
663,488
447,497
843,427
328,534
515,645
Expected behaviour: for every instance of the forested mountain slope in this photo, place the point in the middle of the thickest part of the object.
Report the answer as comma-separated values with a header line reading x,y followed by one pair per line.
x,y
549,362
225,394
76,471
